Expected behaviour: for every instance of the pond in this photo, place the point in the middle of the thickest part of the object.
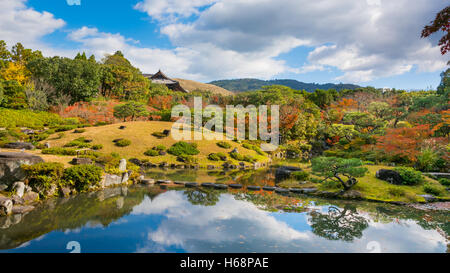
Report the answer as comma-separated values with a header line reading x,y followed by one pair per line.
x,y
150,219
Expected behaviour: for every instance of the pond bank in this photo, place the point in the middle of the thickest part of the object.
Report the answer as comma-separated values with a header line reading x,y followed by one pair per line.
x,y
263,180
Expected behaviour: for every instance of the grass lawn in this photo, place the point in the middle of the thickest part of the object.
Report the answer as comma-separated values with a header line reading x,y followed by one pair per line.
x,y
140,134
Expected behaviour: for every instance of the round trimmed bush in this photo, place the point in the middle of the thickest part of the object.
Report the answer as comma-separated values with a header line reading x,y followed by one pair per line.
x,y
159,147
123,143
183,148
409,175
97,147
224,144
151,152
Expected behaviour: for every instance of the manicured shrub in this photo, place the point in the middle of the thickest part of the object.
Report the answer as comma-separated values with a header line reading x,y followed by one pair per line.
x,y
59,151
432,189
123,143
97,147
254,148
237,156
64,128
444,182
43,175
217,157
159,135
224,144
151,152
300,175
159,147
70,151
409,175
183,148
83,176
188,159
79,143
79,131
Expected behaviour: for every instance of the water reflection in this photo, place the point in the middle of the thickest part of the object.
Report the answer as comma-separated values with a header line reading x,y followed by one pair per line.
x,y
142,219
339,224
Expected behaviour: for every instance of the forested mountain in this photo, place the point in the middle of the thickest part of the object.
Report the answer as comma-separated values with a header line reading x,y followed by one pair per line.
x,y
255,84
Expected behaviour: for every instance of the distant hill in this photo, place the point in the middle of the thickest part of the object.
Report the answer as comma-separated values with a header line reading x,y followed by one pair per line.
x,y
193,85
240,85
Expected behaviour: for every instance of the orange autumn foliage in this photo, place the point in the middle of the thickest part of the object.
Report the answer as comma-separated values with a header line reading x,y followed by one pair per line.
x,y
404,142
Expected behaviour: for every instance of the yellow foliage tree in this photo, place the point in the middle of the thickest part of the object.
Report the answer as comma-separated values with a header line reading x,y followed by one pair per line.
x,y
15,72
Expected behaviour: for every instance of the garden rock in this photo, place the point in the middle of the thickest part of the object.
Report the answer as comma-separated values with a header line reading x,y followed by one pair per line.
x,y
6,206
123,165
81,161
19,145
390,176
429,197
30,197
10,166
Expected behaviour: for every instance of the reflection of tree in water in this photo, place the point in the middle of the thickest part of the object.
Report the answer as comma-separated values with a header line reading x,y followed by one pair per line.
x,y
175,175
102,207
428,220
338,224
202,197
264,177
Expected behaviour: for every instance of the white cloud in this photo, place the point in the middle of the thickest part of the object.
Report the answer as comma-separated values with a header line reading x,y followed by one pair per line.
x,y
364,39
202,61
171,9
18,23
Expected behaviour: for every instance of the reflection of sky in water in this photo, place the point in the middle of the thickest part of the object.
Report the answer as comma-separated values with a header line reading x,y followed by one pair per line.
x,y
170,223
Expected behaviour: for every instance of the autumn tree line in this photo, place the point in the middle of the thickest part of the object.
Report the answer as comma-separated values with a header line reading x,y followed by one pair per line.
x,y
375,125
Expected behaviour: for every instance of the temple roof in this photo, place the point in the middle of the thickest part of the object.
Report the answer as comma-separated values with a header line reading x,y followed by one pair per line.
x,y
161,78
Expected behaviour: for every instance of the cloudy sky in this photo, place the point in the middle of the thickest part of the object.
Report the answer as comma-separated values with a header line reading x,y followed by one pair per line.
x,y
368,42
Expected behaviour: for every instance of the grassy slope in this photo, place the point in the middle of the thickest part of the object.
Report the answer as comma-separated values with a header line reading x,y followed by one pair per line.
x,y
139,132
374,188
193,85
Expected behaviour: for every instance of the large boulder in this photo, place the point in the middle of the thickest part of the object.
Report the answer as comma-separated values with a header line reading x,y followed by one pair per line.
x,y
20,146
10,166
81,161
6,206
31,197
136,162
19,187
284,172
390,176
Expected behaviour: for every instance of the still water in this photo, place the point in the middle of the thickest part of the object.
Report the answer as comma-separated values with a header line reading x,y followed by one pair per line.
x,y
150,219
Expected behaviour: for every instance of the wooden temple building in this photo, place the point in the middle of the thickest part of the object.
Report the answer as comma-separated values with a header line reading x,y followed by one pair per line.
x,y
161,78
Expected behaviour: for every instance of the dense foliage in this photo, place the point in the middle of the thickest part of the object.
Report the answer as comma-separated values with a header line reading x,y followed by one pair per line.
x,y
183,148
82,177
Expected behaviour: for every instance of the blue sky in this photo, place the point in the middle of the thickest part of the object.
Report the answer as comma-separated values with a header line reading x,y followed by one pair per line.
x,y
368,42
